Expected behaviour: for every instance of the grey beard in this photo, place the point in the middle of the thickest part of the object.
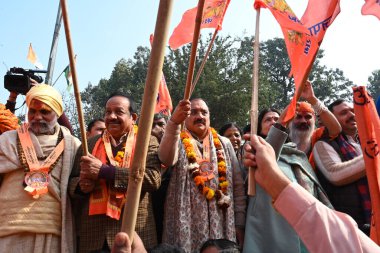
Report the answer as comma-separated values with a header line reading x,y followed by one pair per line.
x,y
43,127
301,138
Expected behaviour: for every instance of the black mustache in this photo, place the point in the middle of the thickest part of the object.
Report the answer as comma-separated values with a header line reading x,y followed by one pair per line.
x,y
199,121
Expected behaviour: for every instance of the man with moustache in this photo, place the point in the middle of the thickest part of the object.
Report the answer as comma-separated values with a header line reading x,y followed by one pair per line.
x,y
341,167
205,197
35,162
266,230
99,181
302,128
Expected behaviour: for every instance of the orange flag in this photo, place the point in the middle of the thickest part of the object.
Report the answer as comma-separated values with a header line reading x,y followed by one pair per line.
x,y
371,7
302,37
32,57
319,15
369,133
213,14
164,101
300,45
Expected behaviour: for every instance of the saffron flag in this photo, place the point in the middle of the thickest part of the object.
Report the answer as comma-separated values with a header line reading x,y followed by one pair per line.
x,y
319,15
164,101
369,133
371,7
213,14
32,57
301,47
302,37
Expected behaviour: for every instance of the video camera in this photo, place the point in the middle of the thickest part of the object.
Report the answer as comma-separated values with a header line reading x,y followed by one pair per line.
x,y
17,79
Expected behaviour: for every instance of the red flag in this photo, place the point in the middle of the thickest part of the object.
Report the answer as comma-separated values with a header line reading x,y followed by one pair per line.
x,y
213,14
369,133
164,101
371,7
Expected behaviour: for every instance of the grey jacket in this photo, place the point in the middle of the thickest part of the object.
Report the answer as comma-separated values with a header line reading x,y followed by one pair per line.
x,y
266,230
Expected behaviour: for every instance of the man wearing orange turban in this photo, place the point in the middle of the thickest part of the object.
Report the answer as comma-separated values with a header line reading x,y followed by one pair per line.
x,y
302,127
36,162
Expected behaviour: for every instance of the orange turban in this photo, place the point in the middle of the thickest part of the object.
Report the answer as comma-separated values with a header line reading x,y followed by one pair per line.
x,y
47,95
305,107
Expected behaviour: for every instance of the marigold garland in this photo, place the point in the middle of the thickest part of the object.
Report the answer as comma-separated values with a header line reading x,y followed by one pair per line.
x,y
8,121
120,154
220,195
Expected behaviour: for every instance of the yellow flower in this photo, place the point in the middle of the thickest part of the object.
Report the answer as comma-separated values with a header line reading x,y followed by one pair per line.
x,y
120,154
191,155
189,150
222,164
217,144
210,194
223,184
186,142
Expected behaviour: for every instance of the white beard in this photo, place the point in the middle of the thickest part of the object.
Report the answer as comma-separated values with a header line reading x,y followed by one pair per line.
x,y
43,127
301,138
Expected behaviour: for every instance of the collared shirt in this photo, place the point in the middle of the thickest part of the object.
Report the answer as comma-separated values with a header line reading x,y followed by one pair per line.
x,y
122,139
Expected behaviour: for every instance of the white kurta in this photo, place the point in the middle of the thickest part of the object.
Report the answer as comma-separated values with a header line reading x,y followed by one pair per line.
x,y
35,225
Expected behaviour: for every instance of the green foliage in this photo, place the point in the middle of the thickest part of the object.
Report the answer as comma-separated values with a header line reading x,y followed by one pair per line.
x,y
226,81
374,84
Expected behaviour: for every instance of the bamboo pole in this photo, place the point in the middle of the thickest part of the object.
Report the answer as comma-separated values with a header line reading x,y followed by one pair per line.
x,y
254,100
203,61
194,45
150,94
74,75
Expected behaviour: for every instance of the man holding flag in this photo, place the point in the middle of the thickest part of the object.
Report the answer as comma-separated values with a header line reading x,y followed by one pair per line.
x,y
205,197
341,168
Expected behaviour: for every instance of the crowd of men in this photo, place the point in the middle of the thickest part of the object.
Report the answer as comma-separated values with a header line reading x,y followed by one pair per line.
x,y
54,198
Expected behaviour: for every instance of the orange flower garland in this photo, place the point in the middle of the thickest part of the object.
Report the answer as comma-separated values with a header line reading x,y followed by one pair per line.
x,y
220,195
8,121
120,154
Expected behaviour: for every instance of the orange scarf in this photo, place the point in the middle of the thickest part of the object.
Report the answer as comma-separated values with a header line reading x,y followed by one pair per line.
x,y
105,199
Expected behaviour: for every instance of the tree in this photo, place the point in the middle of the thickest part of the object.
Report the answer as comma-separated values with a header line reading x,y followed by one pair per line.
x,y
226,81
71,112
374,84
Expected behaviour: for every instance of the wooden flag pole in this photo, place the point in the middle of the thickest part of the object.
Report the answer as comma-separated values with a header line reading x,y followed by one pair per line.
x,y
203,61
254,99
194,45
74,76
146,119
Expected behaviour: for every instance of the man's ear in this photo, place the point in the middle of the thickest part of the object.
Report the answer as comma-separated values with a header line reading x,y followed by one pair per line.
x,y
134,117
